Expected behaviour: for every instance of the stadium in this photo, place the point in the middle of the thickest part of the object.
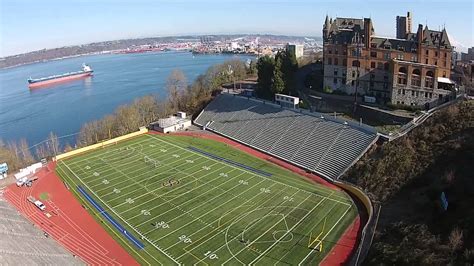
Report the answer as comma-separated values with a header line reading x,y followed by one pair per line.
x,y
253,182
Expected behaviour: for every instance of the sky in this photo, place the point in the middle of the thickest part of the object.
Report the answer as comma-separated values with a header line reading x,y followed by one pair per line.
x,y
28,25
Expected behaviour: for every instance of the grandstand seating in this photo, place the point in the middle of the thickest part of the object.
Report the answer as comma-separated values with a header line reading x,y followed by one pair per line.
x,y
21,243
320,144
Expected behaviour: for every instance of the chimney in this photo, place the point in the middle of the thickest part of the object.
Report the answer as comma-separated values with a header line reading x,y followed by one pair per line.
x,y
419,34
367,31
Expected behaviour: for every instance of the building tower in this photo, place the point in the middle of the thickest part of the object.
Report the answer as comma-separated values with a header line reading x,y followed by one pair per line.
x,y
403,26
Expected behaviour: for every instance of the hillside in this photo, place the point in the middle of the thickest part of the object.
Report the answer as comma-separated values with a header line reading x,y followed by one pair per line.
x,y
407,176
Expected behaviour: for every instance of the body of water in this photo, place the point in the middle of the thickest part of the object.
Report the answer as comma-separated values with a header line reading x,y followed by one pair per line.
x,y
63,108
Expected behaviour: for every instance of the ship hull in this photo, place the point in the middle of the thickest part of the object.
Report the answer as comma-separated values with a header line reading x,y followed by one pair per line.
x,y
49,82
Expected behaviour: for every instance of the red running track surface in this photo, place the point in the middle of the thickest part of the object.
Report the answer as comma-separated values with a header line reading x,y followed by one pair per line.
x,y
70,224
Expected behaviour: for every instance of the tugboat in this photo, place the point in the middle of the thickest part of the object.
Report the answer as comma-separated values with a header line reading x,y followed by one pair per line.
x,y
36,83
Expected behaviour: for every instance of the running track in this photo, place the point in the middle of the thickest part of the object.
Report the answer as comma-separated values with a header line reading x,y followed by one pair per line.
x,y
71,225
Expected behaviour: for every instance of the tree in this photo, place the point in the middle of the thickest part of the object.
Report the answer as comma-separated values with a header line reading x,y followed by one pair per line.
x,y
278,83
265,68
175,85
455,240
289,67
52,144
25,152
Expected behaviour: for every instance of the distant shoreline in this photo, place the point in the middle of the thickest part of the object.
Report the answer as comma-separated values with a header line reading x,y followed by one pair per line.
x,y
48,60
173,42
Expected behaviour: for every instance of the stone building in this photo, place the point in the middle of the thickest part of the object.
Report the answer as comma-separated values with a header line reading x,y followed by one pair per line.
x,y
413,71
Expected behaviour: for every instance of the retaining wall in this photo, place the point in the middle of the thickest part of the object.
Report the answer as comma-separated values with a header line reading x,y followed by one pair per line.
x,y
100,145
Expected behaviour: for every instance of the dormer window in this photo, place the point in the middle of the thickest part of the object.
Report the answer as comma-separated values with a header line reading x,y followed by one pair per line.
x,y
373,45
387,46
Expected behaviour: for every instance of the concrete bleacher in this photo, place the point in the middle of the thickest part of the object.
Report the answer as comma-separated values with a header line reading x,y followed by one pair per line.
x,y
21,243
324,145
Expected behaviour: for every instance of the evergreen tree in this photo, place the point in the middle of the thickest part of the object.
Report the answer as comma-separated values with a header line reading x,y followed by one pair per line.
x,y
265,68
278,84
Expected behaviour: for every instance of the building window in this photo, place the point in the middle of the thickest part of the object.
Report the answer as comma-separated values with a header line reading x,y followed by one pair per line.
x,y
353,74
336,61
372,64
412,93
356,63
330,51
436,62
403,91
344,62
400,56
352,83
379,65
399,91
445,55
427,52
436,53
386,56
444,74
335,72
373,45
426,61
373,54
426,95
414,58
343,80
335,81
356,52
336,51
329,61
444,63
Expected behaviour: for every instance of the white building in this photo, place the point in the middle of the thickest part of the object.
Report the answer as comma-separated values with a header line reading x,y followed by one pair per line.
x,y
286,100
171,124
298,49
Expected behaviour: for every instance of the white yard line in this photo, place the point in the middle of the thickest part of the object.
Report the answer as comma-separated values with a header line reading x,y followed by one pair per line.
x,y
163,195
178,206
249,172
293,227
243,204
240,217
275,224
342,216
202,215
91,191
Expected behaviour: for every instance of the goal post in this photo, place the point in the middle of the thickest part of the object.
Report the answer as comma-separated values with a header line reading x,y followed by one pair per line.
x,y
316,242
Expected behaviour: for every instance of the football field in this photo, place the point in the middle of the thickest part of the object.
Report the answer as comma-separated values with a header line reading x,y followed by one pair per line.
x,y
196,201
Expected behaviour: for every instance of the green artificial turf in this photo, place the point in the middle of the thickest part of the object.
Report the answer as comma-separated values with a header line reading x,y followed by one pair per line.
x,y
189,208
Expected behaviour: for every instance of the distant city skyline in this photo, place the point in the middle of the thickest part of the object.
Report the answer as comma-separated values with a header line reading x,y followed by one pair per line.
x,y
28,25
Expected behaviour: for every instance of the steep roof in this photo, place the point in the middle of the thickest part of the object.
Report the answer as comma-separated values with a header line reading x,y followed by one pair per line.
x,y
436,38
345,30
395,44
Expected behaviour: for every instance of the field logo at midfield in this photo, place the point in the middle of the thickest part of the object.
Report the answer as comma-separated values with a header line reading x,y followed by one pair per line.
x,y
170,183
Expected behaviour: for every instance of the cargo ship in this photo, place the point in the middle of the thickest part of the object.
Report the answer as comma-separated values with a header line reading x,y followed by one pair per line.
x,y
36,83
